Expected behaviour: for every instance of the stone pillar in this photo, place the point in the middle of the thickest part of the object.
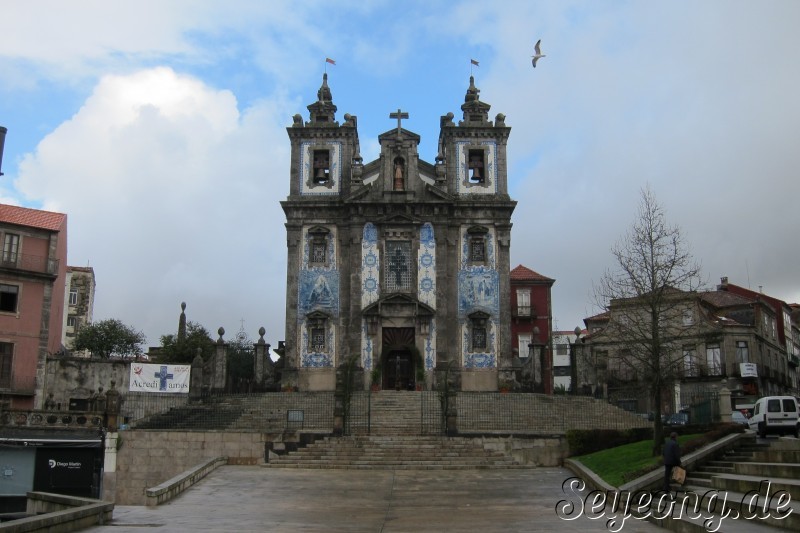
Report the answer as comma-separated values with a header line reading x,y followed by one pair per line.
x,y
112,407
100,401
109,492
339,398
725,405
451,417
220,369
196,378
261,360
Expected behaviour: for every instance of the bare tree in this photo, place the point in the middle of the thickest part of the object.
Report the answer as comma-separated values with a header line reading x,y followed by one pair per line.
x,y
649,293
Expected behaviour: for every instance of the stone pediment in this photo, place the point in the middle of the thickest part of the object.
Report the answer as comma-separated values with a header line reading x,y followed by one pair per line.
x,y
399,219
398,305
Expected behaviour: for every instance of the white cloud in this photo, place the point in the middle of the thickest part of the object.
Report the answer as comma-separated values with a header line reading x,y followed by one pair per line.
x,y
696,99
172,195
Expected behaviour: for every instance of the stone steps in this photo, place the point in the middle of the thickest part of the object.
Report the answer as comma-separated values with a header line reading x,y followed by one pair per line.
x,y
397,413
374,452
739,477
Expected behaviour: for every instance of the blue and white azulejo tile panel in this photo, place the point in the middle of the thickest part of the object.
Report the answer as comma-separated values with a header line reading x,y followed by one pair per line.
x,y
370,266
426,266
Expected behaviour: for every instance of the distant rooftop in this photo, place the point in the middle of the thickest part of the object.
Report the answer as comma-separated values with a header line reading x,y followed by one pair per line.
x,y
34,218
521,273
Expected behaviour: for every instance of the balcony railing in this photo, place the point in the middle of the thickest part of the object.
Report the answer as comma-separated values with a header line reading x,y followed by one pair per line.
x,y
523,311
30,263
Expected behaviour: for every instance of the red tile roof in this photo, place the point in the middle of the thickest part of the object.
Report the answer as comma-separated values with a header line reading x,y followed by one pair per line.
x,y
521,273
35,218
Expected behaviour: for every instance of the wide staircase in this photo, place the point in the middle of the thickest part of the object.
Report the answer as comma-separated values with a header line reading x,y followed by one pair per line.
x,y
758,479
389,412
370,452
398,413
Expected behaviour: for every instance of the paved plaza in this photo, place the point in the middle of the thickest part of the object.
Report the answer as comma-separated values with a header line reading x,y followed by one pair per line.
x,y
247,498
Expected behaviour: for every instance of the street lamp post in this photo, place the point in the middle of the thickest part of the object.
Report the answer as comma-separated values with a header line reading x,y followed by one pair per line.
x,y
573,362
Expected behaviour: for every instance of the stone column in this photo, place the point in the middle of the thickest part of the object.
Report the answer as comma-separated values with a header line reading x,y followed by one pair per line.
x,y
112,407
220,368
196,378
725,405
109,491
261,359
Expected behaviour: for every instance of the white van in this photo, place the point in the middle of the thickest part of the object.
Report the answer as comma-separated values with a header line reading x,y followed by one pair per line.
x,y
775,414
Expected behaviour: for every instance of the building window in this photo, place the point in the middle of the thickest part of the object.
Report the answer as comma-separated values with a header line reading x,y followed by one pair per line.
x,y
322,167
318,247
318,339
477,245
478,338
475,167
713,360
688,317
523,302
398,266
317,334
477,250
479,322
689,362
319,250
523,341
742,352
562,349
10,248
9,297
6,358
71,321
73,297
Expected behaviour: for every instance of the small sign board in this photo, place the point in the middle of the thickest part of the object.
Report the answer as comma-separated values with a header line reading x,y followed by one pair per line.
x,y
748,370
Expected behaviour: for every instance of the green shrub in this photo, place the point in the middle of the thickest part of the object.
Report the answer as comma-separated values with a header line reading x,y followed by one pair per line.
x,y
713,434
583,441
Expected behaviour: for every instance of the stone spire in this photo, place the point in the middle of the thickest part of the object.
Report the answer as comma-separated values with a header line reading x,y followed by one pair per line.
x,y
323,110
476,113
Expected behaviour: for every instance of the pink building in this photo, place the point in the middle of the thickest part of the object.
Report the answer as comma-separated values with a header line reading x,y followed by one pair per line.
x,y
32,287
532,323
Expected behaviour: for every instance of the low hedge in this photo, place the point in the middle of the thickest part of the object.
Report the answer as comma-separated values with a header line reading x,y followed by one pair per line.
x,y
583,441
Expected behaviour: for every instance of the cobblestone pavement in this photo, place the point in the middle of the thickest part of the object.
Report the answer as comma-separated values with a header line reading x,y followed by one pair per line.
x,y
243,499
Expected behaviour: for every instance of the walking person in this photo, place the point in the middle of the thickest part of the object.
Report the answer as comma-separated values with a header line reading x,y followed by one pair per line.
x,y
672,458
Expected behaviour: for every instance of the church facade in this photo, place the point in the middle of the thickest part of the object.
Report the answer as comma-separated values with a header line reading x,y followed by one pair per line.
x,y
398,265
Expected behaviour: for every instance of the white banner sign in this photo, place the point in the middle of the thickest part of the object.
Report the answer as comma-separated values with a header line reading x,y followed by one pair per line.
x,y
748,370
160,378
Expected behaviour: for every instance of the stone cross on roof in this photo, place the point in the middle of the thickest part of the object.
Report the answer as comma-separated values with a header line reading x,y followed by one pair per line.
x,y
400,115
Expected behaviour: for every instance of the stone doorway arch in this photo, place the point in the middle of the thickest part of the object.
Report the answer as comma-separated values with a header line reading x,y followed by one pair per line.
x,y
397,359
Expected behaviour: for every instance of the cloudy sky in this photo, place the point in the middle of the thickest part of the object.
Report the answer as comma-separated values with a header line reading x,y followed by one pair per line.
x,y
159,127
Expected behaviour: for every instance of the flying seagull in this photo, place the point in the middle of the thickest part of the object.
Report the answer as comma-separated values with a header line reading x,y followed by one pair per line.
x,y
538,53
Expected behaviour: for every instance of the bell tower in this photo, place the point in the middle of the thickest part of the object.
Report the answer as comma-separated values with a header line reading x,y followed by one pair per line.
x,y
325,163
471,166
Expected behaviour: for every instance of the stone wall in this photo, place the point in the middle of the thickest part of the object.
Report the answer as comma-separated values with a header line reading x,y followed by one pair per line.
x,y
147,458
78,378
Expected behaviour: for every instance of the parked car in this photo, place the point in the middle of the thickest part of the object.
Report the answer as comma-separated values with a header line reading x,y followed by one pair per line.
x,y
776,414
677,419
737,417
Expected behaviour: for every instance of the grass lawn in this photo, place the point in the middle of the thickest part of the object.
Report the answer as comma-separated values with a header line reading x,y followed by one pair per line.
x,y
613,463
